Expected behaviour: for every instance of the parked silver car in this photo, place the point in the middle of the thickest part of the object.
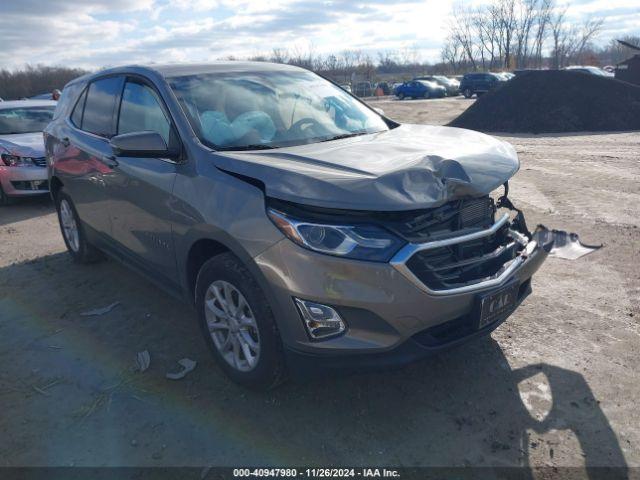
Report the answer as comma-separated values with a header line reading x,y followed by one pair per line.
x,y
22,162
309,231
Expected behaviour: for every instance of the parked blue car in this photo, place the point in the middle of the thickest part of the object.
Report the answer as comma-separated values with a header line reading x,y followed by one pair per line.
x,y
420,89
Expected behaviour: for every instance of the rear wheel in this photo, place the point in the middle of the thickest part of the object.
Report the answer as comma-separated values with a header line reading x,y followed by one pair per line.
x,y
72,232
467,93
238,323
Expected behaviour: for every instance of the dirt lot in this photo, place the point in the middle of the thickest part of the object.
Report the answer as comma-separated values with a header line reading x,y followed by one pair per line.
x,y
556,385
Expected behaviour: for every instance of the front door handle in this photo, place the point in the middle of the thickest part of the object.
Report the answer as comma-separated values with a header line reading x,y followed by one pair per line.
x,y
110,161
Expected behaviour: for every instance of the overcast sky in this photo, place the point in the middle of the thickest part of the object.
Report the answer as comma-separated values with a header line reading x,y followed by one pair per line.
x,y
96,33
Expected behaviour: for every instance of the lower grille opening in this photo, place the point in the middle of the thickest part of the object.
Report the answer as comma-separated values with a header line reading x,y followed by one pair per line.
x,y
464,263
38,185
462,326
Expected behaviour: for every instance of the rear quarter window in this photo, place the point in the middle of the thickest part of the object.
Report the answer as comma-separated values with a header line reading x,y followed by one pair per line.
x,y
76,115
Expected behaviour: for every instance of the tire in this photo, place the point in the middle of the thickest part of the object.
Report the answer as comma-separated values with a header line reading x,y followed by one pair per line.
x,y
467,93
79,248
5,200
426,95
223,277
401,96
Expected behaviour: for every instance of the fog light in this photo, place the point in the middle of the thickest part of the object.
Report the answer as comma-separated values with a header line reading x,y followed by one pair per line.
x,y
321,321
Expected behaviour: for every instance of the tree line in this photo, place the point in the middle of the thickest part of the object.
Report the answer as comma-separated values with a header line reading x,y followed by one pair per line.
x,y
34,80
522,34
501,35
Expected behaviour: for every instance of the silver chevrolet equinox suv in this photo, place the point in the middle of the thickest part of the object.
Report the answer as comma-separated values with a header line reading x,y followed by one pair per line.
x,y
310,232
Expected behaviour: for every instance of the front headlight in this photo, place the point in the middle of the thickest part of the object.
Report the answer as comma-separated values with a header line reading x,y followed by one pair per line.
x,y
16,161
360,242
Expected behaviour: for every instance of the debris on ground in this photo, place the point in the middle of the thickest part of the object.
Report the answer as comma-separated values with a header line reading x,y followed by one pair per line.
x,y
100,311
568,246
187,366
40,391
143,360
43,390
549,101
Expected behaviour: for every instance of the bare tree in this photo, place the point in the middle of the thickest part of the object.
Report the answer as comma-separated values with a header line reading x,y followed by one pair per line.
x,y
570,41
463,32
543,19
452,54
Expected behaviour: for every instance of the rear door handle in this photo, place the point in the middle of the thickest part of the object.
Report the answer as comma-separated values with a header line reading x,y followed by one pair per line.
x,y
110,161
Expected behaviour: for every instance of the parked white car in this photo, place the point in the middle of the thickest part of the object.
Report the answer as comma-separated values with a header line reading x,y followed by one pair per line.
x,y
23,164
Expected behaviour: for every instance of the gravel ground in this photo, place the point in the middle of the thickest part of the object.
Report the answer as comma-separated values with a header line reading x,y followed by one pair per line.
x,y
557,385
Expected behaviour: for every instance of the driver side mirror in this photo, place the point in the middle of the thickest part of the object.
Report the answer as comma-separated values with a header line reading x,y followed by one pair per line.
x,y
144,144
379,110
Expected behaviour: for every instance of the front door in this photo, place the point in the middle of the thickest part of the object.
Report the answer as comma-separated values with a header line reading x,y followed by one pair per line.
x,y
140,189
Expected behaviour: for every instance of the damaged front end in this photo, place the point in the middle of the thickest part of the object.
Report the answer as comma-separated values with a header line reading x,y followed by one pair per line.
x,y
469,245
461,246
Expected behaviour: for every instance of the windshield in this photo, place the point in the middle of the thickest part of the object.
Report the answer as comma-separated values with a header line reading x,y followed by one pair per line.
x,y
236,111
24,119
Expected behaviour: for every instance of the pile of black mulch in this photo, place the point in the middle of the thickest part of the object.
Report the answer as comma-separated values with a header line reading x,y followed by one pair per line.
x,y
555,101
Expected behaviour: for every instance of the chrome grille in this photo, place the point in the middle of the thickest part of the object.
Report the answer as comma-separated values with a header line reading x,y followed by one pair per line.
x,y
464,262
457,265
420,226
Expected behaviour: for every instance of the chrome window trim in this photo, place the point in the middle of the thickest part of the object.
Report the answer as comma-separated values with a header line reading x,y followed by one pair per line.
x,y
400,259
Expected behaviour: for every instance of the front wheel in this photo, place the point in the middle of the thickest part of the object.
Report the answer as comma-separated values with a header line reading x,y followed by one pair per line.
x,y
4,198
238,323
467,93
401,96
426,95
72,232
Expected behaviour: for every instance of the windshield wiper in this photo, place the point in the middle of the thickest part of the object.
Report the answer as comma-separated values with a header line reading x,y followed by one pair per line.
x,y
344,135
257,146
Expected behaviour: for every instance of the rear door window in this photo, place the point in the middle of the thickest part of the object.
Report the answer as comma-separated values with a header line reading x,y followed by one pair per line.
x,y
99,106
141,111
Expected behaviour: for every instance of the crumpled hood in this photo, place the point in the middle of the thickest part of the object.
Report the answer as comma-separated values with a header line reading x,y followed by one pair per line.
x,y
408,167
23,144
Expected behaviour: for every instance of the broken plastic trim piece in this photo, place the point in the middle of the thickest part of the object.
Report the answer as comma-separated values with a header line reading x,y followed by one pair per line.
x,y
566,245
518,221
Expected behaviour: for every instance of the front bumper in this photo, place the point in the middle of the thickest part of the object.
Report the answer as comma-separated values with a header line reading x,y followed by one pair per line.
x,y
23,181
390,318
430,341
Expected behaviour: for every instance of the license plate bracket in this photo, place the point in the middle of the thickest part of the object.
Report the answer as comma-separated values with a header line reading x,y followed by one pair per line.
x,y
496,304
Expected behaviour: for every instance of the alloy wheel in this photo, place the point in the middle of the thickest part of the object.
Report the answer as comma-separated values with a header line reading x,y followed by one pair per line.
x,y
232,325
69,225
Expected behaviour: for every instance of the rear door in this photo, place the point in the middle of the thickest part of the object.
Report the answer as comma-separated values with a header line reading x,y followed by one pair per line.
x,y
484,82
140,189
83,152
